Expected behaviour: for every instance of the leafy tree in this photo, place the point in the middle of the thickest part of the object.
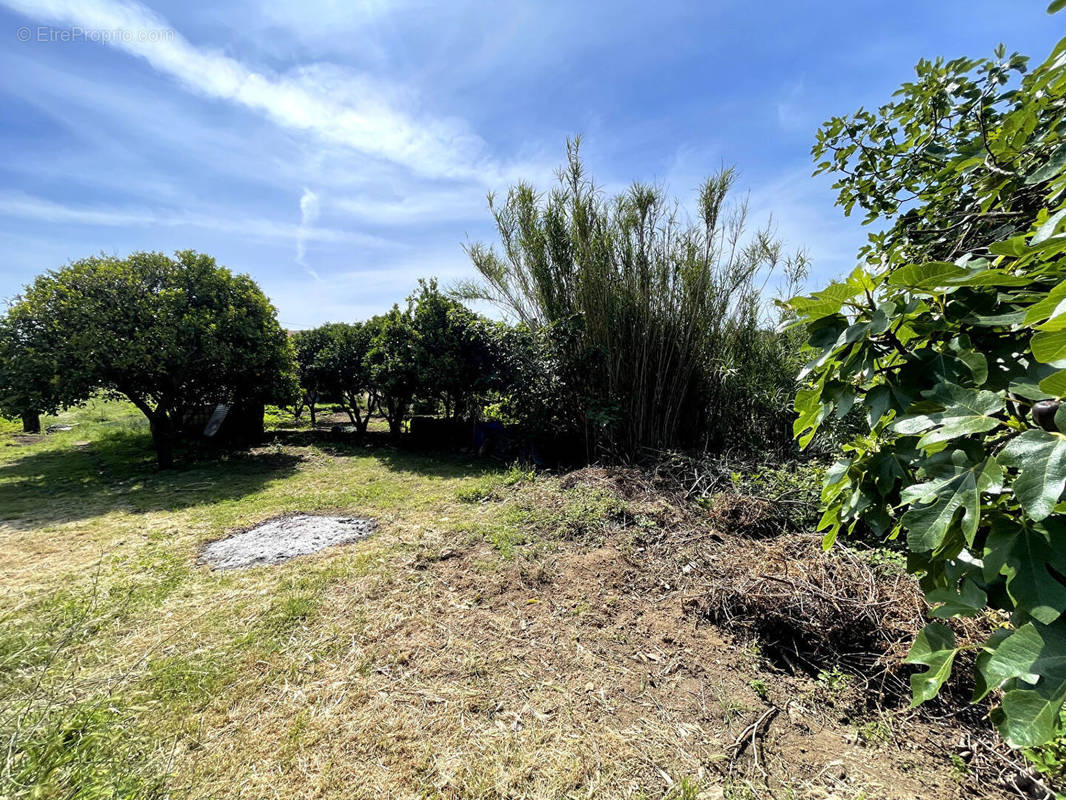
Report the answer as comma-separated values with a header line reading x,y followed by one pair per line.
x,y
332,363
393,366
170,334
309,347
27,370
538,383
950,336
453,350
347,369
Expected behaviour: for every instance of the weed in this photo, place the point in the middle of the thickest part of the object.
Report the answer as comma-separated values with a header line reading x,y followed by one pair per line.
x,y
875,732
488,487
684,789
959,770
187,679
883,557
82,750
835,680
760,688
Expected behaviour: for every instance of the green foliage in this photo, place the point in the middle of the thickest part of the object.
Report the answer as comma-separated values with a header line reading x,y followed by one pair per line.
x,y
64,739
488,487
949,338
1050,759
834,680
28,372
333,363
454,351
584,513
80,751
311,371
654,327
434,351
393,367
537,384
171,334
792,490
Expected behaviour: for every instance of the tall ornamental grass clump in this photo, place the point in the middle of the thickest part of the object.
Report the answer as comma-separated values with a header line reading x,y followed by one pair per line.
x,y
673,347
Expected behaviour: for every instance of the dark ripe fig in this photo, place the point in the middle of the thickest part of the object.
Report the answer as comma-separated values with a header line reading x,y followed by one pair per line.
x,y
1044,413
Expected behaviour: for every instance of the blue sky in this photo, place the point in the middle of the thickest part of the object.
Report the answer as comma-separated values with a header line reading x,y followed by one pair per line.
x,y
337,151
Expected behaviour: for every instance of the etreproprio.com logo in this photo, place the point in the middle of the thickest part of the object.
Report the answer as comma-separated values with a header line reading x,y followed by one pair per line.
x,y
50,34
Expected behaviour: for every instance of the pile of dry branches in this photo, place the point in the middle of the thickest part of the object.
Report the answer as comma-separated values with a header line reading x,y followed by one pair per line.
x,y
811,610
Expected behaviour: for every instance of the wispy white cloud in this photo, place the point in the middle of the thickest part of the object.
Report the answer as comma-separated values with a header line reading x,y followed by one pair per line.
x,y
793,109
333,102
804,218
24,206
417,206
358,293
309,211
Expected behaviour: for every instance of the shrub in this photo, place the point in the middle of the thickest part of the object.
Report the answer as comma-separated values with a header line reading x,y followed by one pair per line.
x,y
950,339
656,326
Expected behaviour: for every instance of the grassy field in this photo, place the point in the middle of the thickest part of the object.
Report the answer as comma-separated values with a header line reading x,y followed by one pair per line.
x,y
502,635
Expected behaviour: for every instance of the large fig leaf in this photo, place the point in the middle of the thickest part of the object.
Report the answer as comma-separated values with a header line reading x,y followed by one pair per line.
x,y
1041,458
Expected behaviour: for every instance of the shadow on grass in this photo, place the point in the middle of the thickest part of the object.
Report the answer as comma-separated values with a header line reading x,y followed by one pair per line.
x,y
396,455
117,471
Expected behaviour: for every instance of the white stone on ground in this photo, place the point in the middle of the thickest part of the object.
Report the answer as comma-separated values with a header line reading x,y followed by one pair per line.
x,y
280,539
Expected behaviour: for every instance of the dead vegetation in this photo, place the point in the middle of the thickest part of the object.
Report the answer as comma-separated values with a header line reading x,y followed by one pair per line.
x,y
812,611
745,516
844,618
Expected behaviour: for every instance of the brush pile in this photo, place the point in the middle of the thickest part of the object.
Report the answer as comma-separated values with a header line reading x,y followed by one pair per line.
x,y
811,610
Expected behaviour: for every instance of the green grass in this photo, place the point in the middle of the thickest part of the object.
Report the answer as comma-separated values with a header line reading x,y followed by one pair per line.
x,y
112,638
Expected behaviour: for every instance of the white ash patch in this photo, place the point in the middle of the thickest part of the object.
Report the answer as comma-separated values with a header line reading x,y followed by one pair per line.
x,y
282,538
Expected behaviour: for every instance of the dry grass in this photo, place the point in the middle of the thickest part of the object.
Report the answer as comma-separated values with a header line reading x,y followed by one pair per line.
x,y
500,636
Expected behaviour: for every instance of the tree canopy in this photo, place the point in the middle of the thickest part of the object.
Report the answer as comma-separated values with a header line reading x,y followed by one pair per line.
x,y
172,334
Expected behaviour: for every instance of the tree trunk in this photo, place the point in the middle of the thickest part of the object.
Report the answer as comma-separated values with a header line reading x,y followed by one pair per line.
x,y
162,439
351,407
394,414
31,422
359,419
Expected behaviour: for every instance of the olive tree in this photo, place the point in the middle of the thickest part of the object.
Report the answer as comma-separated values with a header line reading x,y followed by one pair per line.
x,y
171,334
